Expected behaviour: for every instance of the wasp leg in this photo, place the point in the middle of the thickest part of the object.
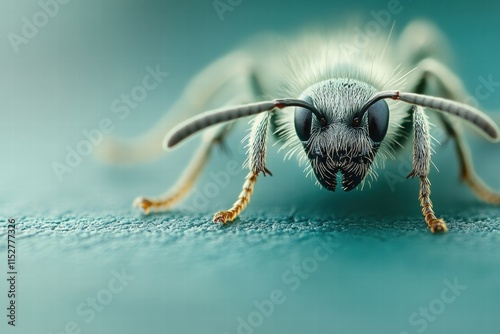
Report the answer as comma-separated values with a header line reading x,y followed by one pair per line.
x,y
467,173
255,162
452,88
421,167
187,180
422,39
230,79
226,79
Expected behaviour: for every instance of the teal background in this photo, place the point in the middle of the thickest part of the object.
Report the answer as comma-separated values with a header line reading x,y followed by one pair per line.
x,y
192,276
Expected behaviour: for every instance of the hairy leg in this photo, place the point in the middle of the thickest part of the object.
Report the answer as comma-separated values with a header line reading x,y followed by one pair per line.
x,y
256,164
451,87
421,167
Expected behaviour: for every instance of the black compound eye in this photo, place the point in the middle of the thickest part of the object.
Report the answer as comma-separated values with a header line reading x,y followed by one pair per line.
x,y
378,120
303,121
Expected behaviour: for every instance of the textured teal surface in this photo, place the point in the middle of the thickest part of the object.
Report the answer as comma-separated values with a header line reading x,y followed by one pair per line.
x,y
368,263
193,276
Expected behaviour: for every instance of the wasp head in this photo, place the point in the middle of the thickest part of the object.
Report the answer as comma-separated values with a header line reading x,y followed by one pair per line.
x,y
343,141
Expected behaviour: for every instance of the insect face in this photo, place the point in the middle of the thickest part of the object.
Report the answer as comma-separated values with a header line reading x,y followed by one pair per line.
x,y
341,118
343,142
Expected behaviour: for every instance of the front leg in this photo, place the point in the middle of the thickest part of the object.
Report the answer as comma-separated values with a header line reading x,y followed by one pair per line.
x,y
256,162
421,167
452,88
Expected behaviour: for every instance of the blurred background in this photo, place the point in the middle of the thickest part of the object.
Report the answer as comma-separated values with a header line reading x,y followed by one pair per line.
x,y
60,78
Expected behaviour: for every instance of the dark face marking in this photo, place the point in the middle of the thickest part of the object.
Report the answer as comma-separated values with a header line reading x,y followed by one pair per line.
x,y
352,168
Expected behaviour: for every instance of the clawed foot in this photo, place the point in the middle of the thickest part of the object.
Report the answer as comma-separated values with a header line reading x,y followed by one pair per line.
x,y
223,217
437,225
143,203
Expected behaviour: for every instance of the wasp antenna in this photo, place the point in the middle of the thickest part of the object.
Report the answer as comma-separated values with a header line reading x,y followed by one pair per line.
x,y
209,118
470,114
465,112
198,123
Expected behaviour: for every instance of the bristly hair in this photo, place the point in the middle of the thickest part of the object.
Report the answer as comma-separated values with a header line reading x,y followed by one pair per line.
x,y
319,56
